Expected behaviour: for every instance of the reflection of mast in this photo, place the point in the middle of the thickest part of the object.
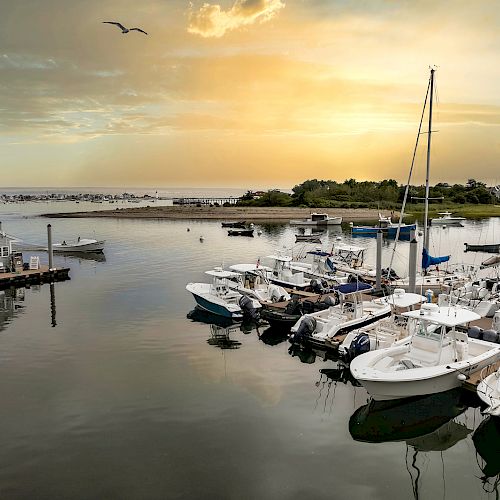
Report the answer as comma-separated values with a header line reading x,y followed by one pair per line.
x,y
414,480
53,305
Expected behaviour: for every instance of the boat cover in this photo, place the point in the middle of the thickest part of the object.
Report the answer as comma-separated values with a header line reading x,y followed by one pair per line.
x,y
357,286
428,260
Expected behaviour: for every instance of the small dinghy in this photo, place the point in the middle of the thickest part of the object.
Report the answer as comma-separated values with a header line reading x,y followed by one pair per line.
x,y
80,245
240,224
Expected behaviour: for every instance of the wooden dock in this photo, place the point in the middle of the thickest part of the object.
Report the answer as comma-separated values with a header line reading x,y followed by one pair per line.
x,y
33,277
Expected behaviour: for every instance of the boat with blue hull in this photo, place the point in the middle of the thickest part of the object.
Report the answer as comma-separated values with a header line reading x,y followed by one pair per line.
x,y
218,298
388,228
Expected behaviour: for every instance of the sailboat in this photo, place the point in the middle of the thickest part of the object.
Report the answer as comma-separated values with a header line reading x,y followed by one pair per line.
x,y
436,279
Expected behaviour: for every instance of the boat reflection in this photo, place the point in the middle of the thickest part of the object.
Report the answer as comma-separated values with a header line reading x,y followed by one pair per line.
x,y
486,439
95,256
273,336
221,328
426,424
403,419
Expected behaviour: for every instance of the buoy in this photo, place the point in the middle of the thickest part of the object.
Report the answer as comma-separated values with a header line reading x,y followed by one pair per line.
x,y
444,227
188,230
338,238
201,239
259,232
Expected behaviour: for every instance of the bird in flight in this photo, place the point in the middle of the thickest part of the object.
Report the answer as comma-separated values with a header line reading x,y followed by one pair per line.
x,y
124,30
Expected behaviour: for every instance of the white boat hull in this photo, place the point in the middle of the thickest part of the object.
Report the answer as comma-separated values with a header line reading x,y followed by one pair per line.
x,y
415,382
489,392
87,246
333,221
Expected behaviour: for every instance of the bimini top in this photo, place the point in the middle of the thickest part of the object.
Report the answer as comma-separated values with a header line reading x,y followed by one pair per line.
x,y
348,248
402,299
358,286
220,273
281,258
247,268
447,316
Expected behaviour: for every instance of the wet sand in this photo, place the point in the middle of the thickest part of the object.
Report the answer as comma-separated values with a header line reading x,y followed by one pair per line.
x,y
226,213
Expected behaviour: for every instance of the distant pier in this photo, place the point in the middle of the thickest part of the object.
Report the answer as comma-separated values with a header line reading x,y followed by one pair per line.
x,y
231,200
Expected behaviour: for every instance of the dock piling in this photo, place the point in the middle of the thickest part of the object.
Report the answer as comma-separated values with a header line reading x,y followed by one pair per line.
x,y
49,247
412,263
378,284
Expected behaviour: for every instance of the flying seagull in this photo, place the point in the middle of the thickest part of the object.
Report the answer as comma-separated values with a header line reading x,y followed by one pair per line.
x,y
124,30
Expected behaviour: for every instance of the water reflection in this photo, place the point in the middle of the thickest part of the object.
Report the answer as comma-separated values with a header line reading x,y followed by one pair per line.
x,y
402,419
273,336
426,425
486,439
11,304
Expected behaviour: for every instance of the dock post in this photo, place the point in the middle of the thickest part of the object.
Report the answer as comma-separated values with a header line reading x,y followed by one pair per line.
x,y
378,285
412,275
49,247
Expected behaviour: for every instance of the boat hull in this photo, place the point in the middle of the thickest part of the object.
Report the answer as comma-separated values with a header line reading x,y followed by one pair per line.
x,y
92,247
215,308
441,378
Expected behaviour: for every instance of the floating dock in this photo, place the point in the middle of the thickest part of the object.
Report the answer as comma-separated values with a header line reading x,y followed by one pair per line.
x,y
33,277
473,381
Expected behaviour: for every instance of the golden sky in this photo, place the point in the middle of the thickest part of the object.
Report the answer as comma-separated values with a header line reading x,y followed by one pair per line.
x,y
244,93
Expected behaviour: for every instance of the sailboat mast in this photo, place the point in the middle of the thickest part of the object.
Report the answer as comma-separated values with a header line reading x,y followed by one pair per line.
x,y
426,212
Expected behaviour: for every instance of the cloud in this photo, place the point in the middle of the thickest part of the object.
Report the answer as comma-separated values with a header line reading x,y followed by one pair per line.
x,y
212,21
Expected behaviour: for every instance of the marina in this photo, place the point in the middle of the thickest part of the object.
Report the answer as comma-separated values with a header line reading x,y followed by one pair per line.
x,y
143,318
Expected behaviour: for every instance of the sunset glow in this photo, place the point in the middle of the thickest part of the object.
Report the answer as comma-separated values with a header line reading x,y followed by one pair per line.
x,y
257,93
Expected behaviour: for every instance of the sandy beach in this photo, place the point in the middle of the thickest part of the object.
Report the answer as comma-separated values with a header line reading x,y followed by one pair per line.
x,y
225,213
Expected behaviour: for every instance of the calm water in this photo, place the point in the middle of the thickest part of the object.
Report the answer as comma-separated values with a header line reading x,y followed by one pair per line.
x,y
126,397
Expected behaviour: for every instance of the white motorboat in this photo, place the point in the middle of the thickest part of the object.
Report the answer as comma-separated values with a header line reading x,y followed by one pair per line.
x,y
318,219
488,391
392,330
80,245
283,274
352,311
218,298
447,219
438,357
252,281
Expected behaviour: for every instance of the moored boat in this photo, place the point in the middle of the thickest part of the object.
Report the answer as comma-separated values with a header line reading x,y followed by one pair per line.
x,y
492,248
79,245
488,391
240,232
439,357
318,219
447,219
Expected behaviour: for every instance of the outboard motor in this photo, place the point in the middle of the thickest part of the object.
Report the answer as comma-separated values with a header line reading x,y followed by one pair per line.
x,y
359,345
475,332
316,286
306,328
294,306
491,336
249,307
330,301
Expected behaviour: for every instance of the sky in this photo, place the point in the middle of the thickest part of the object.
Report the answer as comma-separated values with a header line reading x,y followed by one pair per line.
x,y
245,93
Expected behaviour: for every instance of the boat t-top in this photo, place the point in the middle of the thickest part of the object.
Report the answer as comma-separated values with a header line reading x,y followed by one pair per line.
x,y
447,219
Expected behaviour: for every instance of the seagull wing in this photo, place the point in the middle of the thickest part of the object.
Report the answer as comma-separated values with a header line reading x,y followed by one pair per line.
x,y
115,23
138,29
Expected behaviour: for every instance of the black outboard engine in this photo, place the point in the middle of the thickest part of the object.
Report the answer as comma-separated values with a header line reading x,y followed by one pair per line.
x,y
390,275
294,306
306,328
331,300
316,286
247,306
359,345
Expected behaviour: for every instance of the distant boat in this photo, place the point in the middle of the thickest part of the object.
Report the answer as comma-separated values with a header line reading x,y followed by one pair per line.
x,y
310,238
387,227
492,248
447,219
317,219
79,245
240,224
240,232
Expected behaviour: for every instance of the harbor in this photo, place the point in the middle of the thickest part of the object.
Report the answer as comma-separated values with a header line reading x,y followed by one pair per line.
x,y
142,317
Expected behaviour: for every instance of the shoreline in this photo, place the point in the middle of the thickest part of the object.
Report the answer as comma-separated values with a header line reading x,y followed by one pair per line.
x,y
278,214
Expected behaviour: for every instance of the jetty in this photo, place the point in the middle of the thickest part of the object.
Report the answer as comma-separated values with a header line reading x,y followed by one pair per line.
x,y
30,277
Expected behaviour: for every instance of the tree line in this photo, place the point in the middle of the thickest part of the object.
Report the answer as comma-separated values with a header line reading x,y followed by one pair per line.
x,y
386,194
